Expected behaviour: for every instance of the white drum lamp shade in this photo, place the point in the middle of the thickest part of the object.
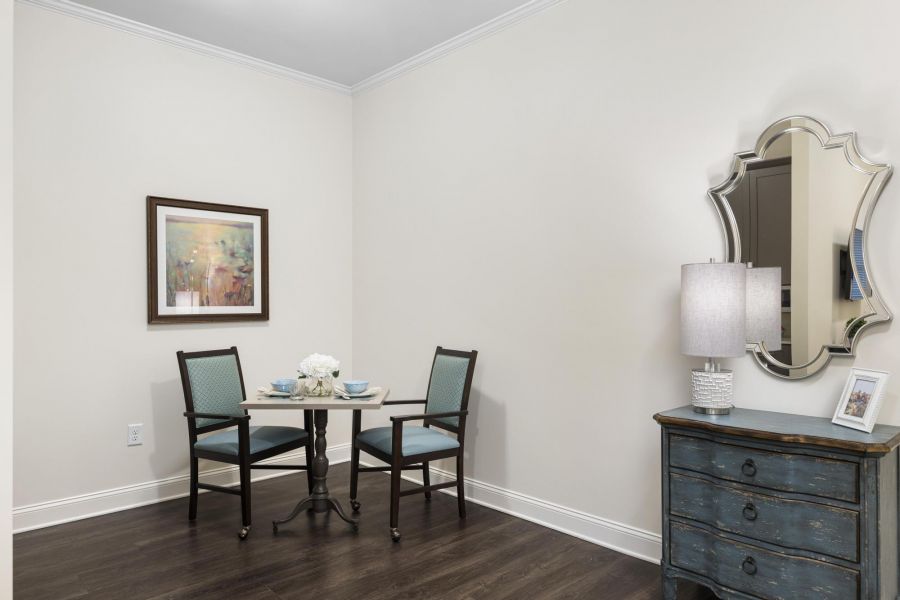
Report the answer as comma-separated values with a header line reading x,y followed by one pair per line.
x,y
764,307
714,309
714,325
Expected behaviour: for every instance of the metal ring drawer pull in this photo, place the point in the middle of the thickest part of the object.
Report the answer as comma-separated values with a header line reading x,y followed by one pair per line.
x,y
748,468
750,512
749,566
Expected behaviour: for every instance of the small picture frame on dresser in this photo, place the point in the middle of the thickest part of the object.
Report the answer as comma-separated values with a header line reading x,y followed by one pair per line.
x,y
861,400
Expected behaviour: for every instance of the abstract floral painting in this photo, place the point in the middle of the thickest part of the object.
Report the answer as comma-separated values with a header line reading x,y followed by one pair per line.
x,y
208,261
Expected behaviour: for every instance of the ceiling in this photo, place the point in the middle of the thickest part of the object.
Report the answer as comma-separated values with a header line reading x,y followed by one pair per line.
x,y
344,41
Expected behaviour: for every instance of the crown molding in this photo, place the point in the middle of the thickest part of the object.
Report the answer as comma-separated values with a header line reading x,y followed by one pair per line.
x,y
455,43
85,13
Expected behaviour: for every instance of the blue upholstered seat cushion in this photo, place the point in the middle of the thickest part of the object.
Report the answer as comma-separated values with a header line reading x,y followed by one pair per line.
x,y
416,440
261,438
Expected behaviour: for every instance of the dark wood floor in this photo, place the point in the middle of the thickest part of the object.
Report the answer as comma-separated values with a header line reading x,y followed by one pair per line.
x,y
152,552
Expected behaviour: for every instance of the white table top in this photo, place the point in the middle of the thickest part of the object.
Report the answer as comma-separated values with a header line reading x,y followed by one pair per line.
x,y
318,403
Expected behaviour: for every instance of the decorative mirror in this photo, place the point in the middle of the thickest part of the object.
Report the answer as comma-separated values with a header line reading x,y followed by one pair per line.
x,y
802,200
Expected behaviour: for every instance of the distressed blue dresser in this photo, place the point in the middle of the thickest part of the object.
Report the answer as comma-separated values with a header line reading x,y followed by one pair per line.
x,y
769,505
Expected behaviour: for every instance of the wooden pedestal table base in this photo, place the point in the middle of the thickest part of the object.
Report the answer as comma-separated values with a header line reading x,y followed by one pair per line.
x,y
320,500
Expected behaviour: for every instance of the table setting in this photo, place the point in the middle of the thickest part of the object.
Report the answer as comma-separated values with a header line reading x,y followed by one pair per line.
x,y
291,388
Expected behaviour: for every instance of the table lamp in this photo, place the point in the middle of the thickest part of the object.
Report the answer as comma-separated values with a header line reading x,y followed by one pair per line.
x,y
764,307
713,325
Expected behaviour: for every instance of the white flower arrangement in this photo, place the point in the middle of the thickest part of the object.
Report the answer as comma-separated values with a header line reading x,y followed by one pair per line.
x,y
319,365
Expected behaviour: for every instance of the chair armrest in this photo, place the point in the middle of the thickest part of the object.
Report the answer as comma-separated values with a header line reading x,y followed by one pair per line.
x,y
397,426
235,418
402,418
405,401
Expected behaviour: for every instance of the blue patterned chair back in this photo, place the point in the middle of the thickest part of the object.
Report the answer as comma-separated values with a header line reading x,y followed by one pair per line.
x,y
451,378
215,383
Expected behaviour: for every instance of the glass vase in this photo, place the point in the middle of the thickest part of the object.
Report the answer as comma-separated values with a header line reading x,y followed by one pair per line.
x,y
319,386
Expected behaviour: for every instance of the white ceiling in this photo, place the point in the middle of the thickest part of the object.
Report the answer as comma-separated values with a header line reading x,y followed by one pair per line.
x,y
345,41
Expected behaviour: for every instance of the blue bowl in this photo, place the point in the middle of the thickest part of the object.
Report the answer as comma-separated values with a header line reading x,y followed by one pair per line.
x,y
284,385
356,386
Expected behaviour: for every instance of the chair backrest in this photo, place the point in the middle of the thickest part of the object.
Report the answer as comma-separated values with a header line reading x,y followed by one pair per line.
x,y
449,385
212,383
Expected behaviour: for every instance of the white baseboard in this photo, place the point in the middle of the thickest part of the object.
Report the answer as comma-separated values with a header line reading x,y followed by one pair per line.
x,y
55,512
610,534
603,532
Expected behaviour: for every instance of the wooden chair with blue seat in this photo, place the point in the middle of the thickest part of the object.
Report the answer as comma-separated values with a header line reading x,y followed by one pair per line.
x,y
413,447
213,391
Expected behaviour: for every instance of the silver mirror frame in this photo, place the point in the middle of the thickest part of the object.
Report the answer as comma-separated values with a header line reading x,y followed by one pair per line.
x,y
879,176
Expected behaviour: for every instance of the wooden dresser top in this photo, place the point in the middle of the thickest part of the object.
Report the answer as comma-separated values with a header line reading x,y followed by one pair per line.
x,y
782,427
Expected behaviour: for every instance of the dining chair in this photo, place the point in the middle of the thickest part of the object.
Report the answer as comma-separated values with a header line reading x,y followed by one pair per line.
x,y
411,447
213,391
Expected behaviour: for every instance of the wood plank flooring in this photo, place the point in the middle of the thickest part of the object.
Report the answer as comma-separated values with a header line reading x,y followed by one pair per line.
x,y
154,553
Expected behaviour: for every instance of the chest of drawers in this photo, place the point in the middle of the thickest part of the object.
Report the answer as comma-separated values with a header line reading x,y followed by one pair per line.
x,y
768,505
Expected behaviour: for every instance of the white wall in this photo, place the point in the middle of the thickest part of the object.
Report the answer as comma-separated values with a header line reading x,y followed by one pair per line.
x,y
533,195
6,294
103,119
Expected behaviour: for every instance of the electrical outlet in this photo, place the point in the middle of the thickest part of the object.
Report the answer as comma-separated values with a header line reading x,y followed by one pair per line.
x,y
136,434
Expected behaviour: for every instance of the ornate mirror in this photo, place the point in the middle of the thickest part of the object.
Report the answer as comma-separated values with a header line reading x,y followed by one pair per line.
x,y
802,200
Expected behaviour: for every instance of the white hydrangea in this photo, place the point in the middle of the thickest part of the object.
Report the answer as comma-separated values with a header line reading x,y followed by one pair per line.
x,y
319,365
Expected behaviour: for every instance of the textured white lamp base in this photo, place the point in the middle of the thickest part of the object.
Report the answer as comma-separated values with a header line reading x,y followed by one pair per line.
x,y
712,391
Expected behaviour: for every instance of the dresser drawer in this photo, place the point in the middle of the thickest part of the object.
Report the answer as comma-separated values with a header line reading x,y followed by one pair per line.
x,y
790,523
783,471
759,572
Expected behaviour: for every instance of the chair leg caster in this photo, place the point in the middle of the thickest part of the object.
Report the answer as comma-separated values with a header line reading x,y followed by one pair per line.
x,y
245,531
354,504
395,534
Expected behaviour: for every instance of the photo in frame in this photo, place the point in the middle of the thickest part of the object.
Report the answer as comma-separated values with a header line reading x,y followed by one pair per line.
x,y
861,400
206,262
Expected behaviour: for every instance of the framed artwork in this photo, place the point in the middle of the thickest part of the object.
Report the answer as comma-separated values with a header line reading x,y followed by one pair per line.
x,y
861,400
206,262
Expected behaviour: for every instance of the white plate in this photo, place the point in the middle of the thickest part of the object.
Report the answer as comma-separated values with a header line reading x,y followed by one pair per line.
x,y
339,391
269,392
